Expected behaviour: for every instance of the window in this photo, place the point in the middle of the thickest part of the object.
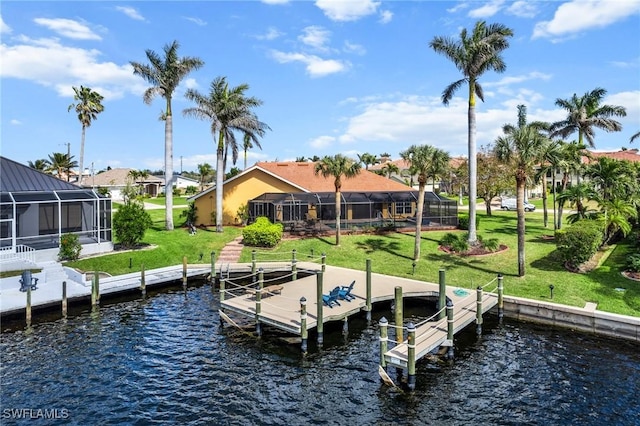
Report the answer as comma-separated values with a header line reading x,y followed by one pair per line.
x,y
403,208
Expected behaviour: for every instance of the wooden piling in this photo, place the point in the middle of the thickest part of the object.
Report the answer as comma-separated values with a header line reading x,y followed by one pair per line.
x,y
294,270
95,294
450,328
411,356
213,268
143,282
500,297
479,310
222,289
384,340
324,262
345,326
64,299
399,315
320,325
253,262
303,324
184,272
368,280
293,255
28,306
442,293
259,301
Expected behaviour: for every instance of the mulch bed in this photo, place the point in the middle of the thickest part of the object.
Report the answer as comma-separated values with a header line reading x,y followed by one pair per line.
x,y
474,251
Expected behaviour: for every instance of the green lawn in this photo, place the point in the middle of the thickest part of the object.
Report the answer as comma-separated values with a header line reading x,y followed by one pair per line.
x,y
392,254
177,201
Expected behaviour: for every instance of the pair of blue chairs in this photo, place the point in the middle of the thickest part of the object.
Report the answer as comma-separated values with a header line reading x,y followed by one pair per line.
x,y
339,293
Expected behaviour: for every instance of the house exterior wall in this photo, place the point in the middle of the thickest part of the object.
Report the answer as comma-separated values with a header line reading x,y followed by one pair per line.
x,y
237,193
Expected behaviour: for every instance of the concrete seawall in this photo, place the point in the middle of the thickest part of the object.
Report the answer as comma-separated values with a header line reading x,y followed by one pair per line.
x,y
587,319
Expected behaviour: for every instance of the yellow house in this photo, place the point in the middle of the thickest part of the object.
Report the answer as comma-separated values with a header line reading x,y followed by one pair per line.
x,y
270,180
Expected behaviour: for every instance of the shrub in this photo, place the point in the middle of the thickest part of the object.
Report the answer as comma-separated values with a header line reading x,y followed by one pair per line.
x,y
70,247
580,241
463,221
191,189
460,245
190,214
130,223
491,244
633,262
448,240
262,233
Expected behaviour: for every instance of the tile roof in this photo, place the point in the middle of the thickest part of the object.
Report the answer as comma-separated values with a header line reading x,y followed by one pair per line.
x,y
16,177
303,175
629,155
115,177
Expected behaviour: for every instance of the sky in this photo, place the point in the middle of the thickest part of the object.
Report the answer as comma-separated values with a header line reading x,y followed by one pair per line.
x,y
334,76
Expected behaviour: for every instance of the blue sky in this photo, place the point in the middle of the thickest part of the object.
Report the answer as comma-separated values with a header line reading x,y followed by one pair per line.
x,y
335,76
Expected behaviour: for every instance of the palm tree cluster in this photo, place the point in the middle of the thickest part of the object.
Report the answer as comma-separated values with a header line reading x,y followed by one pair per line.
x,y
58,164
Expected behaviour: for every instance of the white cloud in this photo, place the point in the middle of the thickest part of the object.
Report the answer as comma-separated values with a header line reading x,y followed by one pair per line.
x,y
487,10
15,122
275,1
51,64
130,12
385,16
68,28
4,28
196,21
315,66
460,6
190,83
271,34
354,48
514,79
576,16
523,9
315,36
347,10
322,142
629,100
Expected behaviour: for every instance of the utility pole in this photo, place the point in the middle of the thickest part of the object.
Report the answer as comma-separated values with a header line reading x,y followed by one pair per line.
x,y
181,165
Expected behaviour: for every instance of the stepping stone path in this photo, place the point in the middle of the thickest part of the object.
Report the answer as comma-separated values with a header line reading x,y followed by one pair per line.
x,y
231,252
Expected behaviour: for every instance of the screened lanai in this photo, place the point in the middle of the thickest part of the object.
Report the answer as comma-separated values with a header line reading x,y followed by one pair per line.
x,y
357,209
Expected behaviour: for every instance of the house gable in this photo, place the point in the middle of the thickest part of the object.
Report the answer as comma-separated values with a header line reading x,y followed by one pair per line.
x,y
16,177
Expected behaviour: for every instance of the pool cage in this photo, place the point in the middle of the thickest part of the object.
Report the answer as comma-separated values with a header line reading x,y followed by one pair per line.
x,y
358,209
37,219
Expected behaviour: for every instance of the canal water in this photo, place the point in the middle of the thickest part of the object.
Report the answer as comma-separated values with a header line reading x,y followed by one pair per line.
x,y
166,359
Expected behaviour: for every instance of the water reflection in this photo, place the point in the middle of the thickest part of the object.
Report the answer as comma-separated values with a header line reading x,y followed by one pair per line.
x,y
166,359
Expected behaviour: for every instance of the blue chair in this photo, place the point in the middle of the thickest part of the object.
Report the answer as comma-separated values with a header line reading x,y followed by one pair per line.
x,y
331,299
345,292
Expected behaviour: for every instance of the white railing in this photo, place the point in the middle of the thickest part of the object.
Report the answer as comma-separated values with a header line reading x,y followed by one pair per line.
x,y
19,252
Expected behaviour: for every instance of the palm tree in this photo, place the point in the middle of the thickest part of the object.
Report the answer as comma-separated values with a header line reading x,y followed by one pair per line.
x,y
389,169
164,75
617,213
246,146
419,157
228,110
585,114
88,105
550,158
337,167
61,164
367,159
204,172
473,56
521,147
41,165
439,165
634,137
138,177
612,178
569,160
576,195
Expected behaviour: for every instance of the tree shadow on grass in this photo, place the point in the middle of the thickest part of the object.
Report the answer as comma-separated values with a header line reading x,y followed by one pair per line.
x,y
451,260
371,245
612,284
550,262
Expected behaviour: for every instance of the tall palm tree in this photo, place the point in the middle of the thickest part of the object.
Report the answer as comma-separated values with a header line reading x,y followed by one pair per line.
x,y
138,177
204,172
585,114
521,147
246,146
569,159
473,55
61,164
228,110
612,178
634,137
389,169
419,157
165,74
88,105
367,159
41,165
337,167
550,159
439,165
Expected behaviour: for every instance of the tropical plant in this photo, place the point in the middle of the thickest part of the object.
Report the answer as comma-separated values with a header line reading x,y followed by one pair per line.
x,y
246,146
584,114
130,222
138,177
616,214
569,161
228,110
61,164
88,105
190,214
493,177
634,137
389,168
42,165
577,195
367,159
473,55
337,166
165,74
205,171
612,178
70,247
521,148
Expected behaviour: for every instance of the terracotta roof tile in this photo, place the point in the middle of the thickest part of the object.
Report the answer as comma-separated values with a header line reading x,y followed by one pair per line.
x,y
629,155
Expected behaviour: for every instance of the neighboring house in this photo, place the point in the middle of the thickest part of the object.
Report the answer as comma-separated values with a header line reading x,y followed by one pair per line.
x,y
36,209
291,191
183,182
404,175
115,180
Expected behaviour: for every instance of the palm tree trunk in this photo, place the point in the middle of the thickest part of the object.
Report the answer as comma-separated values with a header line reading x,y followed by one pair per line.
x,y
472,165
520,186
219,179
81,160
419,210
545,212
338,213
565,180
168,170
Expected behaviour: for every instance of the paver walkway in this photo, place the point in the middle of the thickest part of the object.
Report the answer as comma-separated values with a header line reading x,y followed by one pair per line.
x,y
231,252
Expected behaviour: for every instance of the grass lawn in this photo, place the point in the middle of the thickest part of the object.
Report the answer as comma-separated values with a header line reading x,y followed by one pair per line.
x,y
392,254
177,201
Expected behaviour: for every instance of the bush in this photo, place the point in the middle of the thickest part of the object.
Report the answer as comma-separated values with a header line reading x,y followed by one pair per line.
x,y
633,262
491,244
460,245
579,242
448,240
463,222
262,233
130,223
190,214
70,247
